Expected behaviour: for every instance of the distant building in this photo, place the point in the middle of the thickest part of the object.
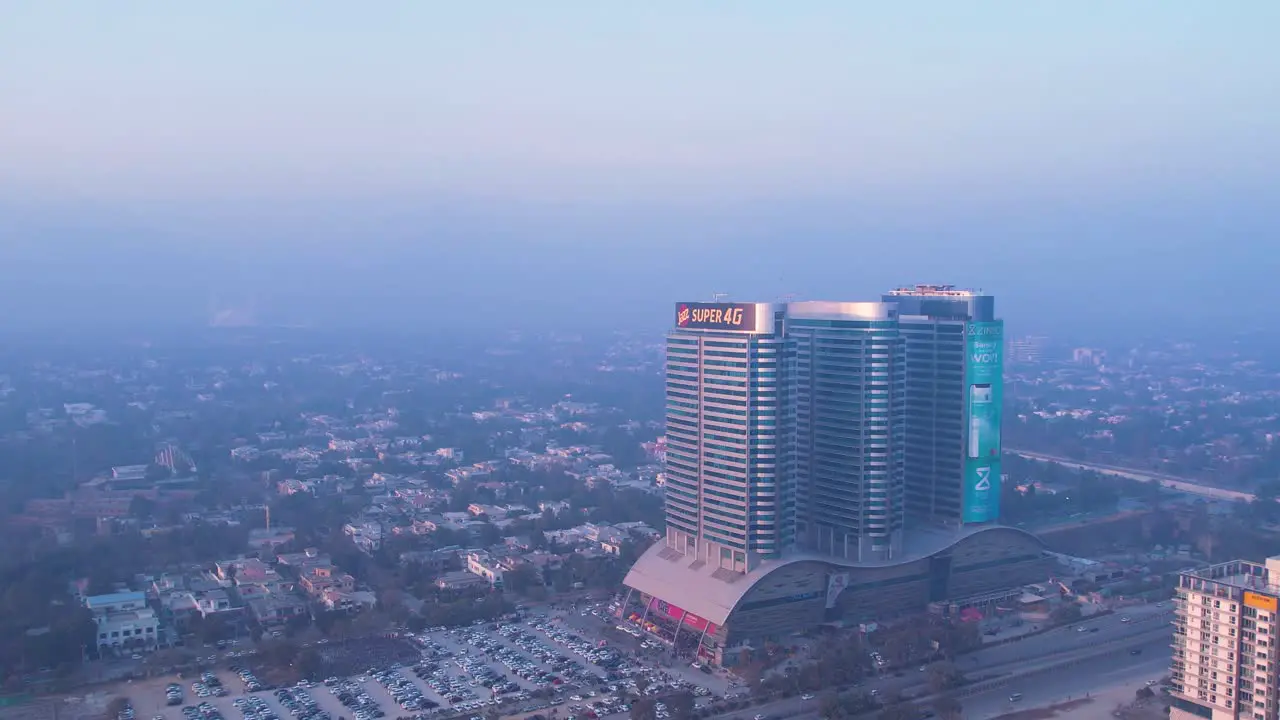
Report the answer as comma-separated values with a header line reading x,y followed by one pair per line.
x,y
264,539
1028,349
461,580
129,472
366,535
484,565
493,512
433,560
276,608
1087,356
124,623
348,600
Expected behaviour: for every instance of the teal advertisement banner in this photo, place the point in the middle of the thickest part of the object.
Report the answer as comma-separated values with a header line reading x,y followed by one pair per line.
x,y
984,383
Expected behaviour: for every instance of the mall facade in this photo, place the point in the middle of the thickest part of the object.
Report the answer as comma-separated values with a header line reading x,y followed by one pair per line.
x,y
828,462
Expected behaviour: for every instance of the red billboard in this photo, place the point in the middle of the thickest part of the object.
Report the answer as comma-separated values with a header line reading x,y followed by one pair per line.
x,y
679,615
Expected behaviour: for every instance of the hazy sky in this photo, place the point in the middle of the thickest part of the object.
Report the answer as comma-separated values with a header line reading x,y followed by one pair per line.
x,y
511,163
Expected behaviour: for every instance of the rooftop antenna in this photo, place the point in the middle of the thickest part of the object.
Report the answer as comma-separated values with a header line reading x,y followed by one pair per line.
x,y
719,297
789,298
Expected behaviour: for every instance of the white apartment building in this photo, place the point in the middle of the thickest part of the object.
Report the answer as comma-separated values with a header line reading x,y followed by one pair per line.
x,y
124,622
1224,643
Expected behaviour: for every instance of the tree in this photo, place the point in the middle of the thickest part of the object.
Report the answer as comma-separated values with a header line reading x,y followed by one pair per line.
x,y
278,653
642,684
209,628
644,709
563,581
898,648
831,707
947,707
309,663
1065,613
416,623
522,579
368,622
680,705
390,599
944,675
117,706
1145,693
487,534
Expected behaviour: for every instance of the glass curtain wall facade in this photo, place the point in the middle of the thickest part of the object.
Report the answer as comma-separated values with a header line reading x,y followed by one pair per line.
x,y
723,400
933,320
845,429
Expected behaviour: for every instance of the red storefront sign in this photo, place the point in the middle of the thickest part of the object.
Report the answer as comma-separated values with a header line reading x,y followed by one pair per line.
x,y
679,615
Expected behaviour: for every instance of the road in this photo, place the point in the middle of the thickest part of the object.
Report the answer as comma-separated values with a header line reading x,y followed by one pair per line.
x,y
1147,627
1179,484
1075,681
1143,619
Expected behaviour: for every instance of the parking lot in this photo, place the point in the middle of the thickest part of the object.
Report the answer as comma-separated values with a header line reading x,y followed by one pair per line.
x,y
546,660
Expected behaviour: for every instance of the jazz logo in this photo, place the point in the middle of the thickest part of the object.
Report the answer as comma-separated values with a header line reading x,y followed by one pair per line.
x,y
984,479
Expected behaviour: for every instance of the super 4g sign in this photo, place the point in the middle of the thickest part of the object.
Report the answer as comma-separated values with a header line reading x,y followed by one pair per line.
x,y
716,316
984,383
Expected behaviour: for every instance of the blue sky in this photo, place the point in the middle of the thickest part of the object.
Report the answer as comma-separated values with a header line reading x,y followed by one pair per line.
x,y
880,139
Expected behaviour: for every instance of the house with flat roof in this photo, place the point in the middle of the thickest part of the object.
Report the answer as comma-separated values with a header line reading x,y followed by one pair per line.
x,y
123,622
461,580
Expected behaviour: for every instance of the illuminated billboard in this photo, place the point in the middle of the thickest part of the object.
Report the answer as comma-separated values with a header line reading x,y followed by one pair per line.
x,y
716,316
984,388
682,616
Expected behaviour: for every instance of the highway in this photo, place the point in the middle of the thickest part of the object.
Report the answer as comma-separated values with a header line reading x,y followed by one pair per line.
x,y
1170,481
1074,681
1078,655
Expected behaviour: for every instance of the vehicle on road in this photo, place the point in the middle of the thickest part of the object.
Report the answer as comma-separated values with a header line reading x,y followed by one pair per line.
x,y
1015,697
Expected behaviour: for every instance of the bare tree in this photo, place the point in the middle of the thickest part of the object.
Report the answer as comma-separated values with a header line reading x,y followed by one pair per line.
x,y
115,707
948,707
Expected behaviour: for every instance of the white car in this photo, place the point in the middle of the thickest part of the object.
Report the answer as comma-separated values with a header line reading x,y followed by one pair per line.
x,y
807,696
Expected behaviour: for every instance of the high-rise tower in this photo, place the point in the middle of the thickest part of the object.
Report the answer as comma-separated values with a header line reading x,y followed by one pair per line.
x,y
953,348
845,423
723,397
